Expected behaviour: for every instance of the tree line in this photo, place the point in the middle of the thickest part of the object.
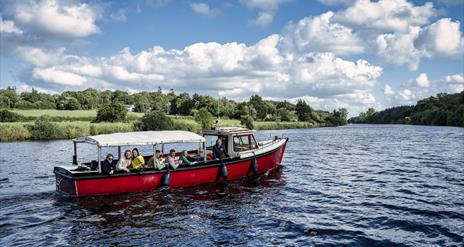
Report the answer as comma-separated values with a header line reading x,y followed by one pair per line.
x,y
443,109
256,108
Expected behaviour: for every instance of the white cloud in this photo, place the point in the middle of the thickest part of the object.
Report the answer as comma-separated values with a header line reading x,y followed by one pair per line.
x,y
263,19
388,15
442,38
39,57
232,69
454,79
57,18
9,26
59,77
321,34
204,9
422,80
455,82
266,10
399,49
388,90
406,95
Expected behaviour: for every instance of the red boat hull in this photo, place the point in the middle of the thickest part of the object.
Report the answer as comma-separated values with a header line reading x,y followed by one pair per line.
x,y
97,184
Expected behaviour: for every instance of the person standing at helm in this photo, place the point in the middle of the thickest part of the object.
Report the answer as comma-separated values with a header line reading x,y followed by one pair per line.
x,y
219,150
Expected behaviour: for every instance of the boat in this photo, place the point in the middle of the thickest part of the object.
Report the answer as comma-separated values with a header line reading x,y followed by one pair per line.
x,y
245,157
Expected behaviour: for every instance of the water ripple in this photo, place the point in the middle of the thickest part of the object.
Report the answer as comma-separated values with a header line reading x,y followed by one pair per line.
x,y
358,185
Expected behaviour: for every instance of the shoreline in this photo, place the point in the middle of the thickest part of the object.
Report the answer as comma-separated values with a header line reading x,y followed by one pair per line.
x,y
18,131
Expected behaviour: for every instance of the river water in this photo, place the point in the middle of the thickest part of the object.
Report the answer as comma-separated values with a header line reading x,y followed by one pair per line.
x,y
357,185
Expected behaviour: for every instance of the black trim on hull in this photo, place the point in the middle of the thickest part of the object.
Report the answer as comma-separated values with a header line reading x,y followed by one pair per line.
x,y
211,164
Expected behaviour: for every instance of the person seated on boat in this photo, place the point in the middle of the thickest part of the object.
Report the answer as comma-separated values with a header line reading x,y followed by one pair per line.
x,y
184,159
125,162
219,150
108,166
171,159
156,161
137,159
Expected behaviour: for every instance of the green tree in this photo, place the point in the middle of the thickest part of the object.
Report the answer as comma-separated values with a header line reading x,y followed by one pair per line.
x,y
8,98
115,112
72,104
9,116
303,110
204,118
258,104
44,129
247,121
154,120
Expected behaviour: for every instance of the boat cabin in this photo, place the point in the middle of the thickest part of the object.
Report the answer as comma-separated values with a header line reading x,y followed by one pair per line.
x,y
237,141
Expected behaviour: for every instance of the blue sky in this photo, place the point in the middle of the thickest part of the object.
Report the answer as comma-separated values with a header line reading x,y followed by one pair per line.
x,y
331,53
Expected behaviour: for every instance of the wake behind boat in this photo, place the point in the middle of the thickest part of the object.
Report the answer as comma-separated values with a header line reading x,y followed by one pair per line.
x,y
243,156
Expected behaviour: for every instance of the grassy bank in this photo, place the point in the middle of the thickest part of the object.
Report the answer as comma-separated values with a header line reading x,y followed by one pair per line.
x,y
71,124
65,115
20,131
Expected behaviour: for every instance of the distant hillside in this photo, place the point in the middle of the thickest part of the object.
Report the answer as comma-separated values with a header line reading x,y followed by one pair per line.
x,y
444,109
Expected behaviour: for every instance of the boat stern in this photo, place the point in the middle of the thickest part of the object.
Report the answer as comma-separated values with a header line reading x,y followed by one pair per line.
x,y
65,184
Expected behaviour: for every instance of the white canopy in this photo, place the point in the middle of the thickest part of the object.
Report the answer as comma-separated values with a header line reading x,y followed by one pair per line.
x,y
142,138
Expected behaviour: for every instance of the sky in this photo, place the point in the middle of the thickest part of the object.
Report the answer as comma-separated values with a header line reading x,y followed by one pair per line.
x,y
330,53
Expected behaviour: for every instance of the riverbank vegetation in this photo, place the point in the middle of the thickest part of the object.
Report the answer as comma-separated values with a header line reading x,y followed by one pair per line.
x,y
79,113
443,109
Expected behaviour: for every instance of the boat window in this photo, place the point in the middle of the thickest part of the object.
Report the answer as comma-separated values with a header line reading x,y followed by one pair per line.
x,y
241,143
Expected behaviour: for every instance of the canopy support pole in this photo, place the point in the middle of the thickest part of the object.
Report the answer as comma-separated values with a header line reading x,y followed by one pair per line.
x,y
204,151
99,160
119,152
75,153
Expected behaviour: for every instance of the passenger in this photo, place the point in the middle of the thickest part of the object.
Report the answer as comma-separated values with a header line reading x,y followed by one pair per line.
x,y
171,159
184,158
219,149
125,162
108,166
156,161
137,159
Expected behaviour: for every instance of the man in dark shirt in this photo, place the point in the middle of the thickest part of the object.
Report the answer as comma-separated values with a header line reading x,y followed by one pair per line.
x,y
219,149
108,166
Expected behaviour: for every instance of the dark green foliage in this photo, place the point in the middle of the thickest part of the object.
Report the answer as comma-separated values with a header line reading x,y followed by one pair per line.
x,y
338,118
182,104
44,129
303,110
115,112
258,104
204,118
154,120
444,109
247,121
9,116
73,104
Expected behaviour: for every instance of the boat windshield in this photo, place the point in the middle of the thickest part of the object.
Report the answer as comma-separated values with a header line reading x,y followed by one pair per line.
x,y
210,141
